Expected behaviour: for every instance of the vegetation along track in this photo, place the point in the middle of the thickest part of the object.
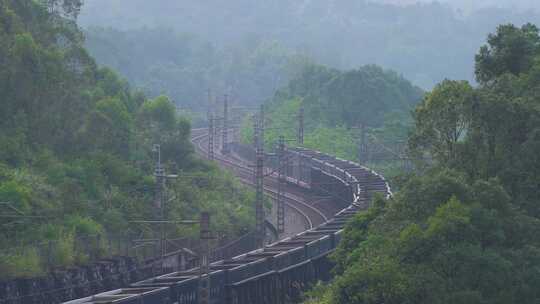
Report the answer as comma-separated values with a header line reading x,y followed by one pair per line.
x,y
293,198
276,273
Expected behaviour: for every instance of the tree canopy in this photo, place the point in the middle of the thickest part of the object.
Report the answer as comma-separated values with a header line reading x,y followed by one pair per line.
x,y
337,104
464,227
509,50
76,147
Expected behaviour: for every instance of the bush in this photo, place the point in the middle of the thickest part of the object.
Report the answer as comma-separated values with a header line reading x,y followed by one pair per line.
x,y
25,263
82,225
16,193
63,252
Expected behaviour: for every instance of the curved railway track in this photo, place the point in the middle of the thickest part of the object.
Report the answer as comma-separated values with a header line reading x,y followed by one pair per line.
x,y
276,273
312,215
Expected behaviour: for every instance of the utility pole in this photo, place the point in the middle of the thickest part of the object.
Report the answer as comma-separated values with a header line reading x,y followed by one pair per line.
x,y
160,199
282,167
363,153
210,128
262,126
216,127
159,174
255,132
301,126
225,131
204,265
205,235
259,178
211,136
300,142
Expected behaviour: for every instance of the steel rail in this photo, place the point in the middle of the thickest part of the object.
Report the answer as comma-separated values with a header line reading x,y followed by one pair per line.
x,y
274,270
293,201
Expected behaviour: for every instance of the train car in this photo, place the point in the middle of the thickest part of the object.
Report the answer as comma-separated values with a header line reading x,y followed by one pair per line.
x,y
142,295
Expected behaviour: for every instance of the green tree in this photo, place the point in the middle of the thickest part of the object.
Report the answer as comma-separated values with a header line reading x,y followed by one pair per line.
x,y
465,230
509,50
443,119
109,127
75,145
458,251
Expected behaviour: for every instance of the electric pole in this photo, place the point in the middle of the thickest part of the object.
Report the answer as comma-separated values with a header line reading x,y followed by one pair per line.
x,y
255,132
282,167
210,128
300,141
216,131
159,174
225,131
259,178
160,199
301,126
262,126
363,153
210,136
204,267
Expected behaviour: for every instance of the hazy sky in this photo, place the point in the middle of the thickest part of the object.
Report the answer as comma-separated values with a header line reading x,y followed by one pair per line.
x,y
468,5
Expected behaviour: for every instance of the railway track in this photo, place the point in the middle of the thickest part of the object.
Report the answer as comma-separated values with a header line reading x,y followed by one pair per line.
x,y
276,273
294,200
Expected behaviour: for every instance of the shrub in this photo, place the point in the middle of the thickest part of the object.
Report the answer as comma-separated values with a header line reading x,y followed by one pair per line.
x,y
62,252
25,263
16,193
82,225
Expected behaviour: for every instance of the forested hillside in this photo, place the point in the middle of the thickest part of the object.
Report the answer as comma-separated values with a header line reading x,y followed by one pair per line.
x,y
76,147
337,104
425,41
183,65
78,154
465,229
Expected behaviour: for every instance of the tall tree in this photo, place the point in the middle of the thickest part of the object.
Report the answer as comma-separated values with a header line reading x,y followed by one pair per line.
x,y
442,120
509,50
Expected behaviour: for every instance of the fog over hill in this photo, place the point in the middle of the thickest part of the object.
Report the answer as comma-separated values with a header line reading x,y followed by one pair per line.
x,y
424,41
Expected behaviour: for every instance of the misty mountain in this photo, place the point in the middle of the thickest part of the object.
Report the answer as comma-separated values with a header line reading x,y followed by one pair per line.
x,y
426,42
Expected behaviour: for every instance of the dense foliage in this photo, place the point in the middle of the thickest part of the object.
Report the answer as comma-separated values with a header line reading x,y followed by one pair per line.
x,y
75,145
466,230
336,104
